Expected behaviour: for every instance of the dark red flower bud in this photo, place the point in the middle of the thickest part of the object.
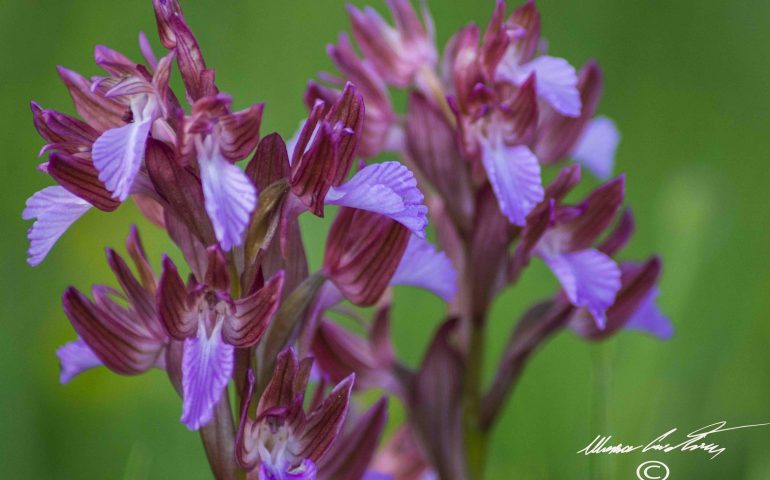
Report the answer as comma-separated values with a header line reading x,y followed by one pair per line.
x,y
363,251
80,177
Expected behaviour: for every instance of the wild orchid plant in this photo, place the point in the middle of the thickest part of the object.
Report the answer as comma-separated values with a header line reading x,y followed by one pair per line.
x,y
480,123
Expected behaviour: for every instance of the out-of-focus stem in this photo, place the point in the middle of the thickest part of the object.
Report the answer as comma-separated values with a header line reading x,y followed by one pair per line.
x,y
475,437
218,438
473,318
474,321
235,279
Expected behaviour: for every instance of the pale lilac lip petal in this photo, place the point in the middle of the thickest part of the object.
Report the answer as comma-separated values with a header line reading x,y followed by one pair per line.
x,y
118,155
207,364
75,357
304,471
590,279
387,188
597,146
557,82
374,475
514,173
229,195
425,267
648,318
54,210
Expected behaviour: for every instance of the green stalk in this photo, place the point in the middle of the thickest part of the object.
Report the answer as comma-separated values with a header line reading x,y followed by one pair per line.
x,y
474,321
218,438
475,437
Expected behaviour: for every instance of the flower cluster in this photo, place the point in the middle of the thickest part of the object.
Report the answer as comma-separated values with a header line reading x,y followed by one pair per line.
x,y
481,122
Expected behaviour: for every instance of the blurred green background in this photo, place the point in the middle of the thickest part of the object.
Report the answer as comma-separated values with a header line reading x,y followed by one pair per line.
x,y
688,83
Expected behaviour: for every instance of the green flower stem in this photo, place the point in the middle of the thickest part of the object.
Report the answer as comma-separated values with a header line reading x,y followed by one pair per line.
x,y
475,436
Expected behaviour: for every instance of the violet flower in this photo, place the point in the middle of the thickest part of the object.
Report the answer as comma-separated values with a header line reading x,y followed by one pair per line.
x,y
635,307
220,138
118,152
128,340
211,324
388,189
589,277
397,54
477,135
480,127
380,128
326,143
522,57
282,442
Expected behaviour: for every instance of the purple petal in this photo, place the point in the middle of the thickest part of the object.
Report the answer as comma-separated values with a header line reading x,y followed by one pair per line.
x,y
305,135
198,80
425,267
75,357
291,144
304,471
177,309
323,425
431,143
114,62
514,174
352,453
557,134
253,314
339,352
240,132
54,210
524,42
207,364
594,214
620,235
62,132
556,83
98,111
229,195
130,86
79,176
597,146
372,475
114,333
590,279
386,188
648,318
183,195
363,250
118,154
270,162
280,391
147,52
165,12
